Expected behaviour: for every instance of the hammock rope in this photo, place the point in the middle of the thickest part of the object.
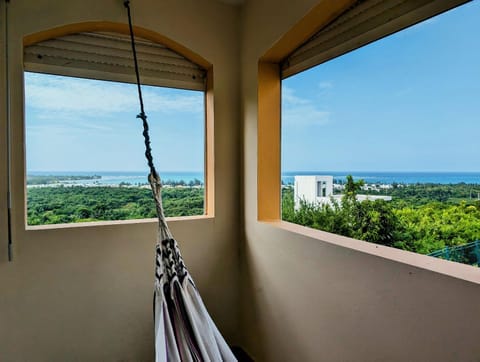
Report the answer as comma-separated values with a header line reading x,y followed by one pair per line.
x,y
184,331
142,114
154,178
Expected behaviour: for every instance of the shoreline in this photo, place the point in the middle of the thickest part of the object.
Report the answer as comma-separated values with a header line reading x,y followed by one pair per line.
x,y
142,186
376,180
373,186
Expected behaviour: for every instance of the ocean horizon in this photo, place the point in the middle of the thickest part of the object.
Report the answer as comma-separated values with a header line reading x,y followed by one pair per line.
x,y
117,177
379,177
390,177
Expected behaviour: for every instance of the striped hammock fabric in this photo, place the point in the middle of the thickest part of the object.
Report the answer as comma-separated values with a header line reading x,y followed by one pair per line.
x,y
184,331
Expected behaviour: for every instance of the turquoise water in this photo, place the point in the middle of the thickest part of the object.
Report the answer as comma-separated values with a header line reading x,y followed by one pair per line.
x,y
117,177
134,178
391,177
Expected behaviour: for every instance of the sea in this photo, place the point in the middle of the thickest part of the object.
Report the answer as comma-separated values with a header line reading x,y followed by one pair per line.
x,y
113,178
371,177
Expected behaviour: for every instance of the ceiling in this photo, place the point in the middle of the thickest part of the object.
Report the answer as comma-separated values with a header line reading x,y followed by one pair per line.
x,y
233,2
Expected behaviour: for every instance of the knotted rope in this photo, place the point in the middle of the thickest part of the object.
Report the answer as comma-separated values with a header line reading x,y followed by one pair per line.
x,y
153,177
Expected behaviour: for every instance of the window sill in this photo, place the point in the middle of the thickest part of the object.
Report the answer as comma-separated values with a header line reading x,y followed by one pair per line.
x,y
97,224
445,267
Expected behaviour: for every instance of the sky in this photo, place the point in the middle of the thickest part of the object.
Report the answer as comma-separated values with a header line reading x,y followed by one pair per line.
x,y
408,102
77,124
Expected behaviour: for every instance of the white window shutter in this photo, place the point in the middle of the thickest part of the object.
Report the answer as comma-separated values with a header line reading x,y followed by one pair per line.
x,y
108,56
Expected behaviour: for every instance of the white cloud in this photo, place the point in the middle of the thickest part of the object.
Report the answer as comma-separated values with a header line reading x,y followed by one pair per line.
x,y
80,97
306,115
298,111
325,85
66,127
174,103
289,97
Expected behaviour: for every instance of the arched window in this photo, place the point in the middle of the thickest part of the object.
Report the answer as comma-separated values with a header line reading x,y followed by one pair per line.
x,y
84,150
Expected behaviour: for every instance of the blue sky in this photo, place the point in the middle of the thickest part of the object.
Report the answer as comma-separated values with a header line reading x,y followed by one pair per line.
x,y
88,125
409,102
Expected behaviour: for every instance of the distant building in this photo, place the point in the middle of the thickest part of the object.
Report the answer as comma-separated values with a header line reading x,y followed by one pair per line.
x,y
313,189
318,190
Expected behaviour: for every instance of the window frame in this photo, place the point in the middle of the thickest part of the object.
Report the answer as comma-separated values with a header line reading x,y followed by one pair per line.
x,y
269,148
4,145
209,180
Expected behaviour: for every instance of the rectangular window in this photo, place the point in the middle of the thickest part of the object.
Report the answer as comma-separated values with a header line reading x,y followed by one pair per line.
x,y
85,150
321,189
398,119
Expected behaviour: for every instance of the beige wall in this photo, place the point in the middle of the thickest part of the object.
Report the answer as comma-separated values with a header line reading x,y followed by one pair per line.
x,y
324,298
85,293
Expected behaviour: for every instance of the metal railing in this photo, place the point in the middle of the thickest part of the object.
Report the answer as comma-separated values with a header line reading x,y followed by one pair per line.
x,y
466,253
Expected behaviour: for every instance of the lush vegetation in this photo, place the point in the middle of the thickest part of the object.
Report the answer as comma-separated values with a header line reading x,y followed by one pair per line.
x,y
423,194
54,205
421,218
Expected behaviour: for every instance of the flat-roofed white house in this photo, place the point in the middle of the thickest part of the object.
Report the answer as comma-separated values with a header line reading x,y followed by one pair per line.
x,y
313,189
318,189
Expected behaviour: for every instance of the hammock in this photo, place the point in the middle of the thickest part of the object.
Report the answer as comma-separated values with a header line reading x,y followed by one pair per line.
x,y
184,331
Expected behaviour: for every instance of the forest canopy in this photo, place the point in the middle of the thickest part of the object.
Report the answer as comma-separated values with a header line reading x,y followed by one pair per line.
x,y
72,204
421,218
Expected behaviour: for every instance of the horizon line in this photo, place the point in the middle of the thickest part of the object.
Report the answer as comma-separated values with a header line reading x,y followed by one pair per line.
x,y
282,172
385,171
136,171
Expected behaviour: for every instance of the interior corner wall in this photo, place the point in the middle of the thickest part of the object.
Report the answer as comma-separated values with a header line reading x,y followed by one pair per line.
x,y
306,299
85,292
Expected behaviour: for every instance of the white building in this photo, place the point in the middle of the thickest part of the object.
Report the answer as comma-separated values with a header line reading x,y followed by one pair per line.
x,y
313,189
318,190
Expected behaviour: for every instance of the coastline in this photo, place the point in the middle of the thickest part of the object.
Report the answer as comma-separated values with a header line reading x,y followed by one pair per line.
x,y
173,179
